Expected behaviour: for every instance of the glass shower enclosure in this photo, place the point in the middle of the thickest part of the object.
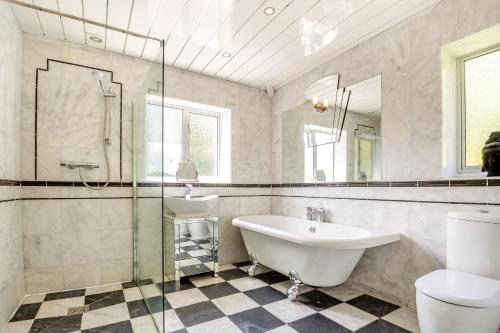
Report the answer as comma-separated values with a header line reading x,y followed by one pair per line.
x,y
148,192
166,247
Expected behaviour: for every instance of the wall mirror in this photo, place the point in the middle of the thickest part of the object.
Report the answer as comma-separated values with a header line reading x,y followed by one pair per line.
x,y
316,151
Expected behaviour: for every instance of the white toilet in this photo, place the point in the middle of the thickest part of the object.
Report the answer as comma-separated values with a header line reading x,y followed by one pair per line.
x,y
465,297
198,230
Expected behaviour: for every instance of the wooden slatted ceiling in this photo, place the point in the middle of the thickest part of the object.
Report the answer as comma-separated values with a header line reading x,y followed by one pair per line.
x,y
265,50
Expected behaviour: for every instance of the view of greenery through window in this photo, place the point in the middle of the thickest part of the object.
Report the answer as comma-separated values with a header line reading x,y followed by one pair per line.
x,y
203,138
482,103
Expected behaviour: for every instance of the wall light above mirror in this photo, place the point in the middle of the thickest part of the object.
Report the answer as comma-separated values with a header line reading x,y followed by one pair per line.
x,y
331,104
310,154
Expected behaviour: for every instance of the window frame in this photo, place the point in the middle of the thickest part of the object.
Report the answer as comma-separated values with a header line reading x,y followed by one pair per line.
x,y
186,112
462,169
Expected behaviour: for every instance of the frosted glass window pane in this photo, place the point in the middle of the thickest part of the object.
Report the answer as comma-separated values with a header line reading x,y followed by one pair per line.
x,y
203,139
324,162
365,159
153,140
172,136
482,103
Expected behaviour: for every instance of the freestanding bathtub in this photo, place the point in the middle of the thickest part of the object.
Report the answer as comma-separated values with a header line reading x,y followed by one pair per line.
x,y
321,254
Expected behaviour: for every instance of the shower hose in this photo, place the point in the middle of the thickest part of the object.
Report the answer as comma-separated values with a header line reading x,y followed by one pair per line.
x,y
106,143
107,168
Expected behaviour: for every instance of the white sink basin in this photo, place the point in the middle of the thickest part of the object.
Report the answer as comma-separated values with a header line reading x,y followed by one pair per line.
x,y
195,207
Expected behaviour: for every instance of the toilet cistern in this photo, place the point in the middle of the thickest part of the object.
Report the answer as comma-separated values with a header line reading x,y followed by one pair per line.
x,y
464,297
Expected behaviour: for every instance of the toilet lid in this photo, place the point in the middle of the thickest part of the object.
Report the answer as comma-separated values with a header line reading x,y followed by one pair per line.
x,y
460,288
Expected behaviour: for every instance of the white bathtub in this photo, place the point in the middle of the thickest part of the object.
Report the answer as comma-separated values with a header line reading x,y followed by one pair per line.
x,y
323,254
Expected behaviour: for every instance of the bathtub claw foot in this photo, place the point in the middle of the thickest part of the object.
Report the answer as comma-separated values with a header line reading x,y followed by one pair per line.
x,y
253,268
293,291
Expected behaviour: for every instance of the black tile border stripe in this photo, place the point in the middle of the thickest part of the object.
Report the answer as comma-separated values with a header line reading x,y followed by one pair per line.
x,y
7,182
272,196
70,183
386,200
9,200
423,183
78,198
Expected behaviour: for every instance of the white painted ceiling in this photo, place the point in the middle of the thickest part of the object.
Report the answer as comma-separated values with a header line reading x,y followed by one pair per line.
x,y
265,50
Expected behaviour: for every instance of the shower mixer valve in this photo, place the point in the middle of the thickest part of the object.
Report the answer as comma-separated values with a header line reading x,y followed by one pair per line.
x,y
73,165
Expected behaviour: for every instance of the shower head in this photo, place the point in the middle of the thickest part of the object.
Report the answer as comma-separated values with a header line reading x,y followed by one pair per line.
x,y
99,77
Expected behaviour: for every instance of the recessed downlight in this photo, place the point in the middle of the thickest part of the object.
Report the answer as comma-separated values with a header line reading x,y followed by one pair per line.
x,y
95,39
226,55
269,11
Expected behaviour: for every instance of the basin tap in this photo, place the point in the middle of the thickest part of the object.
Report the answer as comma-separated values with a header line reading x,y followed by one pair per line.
x,y
313,213
189,188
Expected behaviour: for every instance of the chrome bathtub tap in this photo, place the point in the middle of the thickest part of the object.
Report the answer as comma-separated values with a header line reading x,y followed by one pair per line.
x,y
188,190
313,213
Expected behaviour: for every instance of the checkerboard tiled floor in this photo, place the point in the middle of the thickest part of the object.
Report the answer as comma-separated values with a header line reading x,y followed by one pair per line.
x,y
230,303
195,256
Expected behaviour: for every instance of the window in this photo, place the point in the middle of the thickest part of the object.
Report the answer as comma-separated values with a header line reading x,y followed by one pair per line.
x,y
480,105
191,132
318,158
323,162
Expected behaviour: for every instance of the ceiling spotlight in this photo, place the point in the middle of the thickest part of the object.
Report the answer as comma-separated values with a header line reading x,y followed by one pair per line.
x,y
226,55
95,39
269,11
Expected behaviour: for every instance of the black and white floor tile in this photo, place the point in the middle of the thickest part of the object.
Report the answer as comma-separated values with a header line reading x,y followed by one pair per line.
x,y
195,256
232,302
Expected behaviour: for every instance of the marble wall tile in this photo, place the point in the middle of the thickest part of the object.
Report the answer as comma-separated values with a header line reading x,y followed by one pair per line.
x,y
76,276
80,247
116,244
468,12
12,286
42,251
116,214
74,243
116,270
41,217
79,215
232,248
45,279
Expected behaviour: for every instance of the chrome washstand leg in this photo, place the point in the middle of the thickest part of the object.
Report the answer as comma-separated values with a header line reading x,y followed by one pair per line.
x,y
293,291
255,263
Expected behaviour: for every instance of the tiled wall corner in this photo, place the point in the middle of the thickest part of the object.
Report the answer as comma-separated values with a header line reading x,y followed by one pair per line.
x,y
12,288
